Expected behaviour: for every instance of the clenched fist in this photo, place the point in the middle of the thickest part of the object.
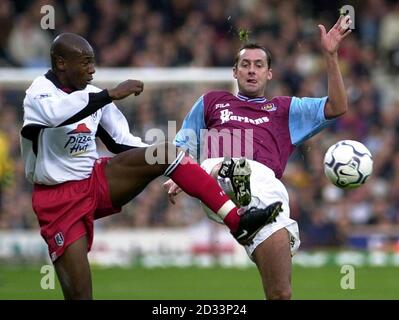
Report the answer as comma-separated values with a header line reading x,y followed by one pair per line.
x,y
126,88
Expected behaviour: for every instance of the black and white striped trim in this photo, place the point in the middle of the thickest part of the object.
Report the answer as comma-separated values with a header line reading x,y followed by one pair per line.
x,y
174,164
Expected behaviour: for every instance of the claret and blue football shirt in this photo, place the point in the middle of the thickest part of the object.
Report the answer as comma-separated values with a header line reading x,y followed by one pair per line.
x,y
223,124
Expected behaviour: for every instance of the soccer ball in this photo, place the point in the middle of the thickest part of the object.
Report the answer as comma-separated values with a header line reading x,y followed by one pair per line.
x,y
348,164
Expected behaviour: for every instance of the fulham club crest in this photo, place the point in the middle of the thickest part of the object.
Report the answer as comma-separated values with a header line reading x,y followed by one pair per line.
x,y
59,239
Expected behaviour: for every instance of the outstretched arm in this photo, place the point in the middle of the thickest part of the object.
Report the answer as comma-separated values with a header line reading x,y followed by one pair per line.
x,y
337,103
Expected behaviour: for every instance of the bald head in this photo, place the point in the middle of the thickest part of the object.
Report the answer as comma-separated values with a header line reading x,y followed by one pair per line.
x,y
67,46
72,60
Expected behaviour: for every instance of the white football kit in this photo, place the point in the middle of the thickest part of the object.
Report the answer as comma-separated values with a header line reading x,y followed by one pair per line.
x,y
59,130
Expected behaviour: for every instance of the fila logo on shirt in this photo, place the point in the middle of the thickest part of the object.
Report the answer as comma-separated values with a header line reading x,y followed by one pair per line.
x,y
227,115
221,105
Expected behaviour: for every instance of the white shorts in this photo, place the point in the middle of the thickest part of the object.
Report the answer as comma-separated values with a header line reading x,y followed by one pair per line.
x,y
265,189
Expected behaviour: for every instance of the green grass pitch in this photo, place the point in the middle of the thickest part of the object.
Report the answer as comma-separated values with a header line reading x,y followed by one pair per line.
x,y
205,284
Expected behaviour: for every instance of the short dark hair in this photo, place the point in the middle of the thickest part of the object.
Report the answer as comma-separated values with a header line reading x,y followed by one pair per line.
x,y
254,46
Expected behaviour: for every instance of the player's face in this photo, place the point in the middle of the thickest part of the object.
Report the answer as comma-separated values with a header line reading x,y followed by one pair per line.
x,y
80,69
252,72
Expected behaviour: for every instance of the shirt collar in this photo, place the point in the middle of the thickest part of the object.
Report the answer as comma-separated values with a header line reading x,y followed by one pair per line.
x,y
50,75
247,99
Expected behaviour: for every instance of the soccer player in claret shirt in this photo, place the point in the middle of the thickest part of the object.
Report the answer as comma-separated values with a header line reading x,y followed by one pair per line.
x,y
63,114
276,126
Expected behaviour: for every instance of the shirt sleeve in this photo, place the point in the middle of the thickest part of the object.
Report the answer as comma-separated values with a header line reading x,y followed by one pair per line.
x,y
306,118
48,110
189,136
114,132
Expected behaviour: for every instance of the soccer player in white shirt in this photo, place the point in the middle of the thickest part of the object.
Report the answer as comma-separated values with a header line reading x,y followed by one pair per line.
x,y
63,114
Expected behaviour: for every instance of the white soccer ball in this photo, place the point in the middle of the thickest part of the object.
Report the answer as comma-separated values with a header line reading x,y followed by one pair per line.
x,y
348,164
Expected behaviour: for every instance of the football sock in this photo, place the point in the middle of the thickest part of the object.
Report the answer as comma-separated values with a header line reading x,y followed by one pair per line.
x,y
196,182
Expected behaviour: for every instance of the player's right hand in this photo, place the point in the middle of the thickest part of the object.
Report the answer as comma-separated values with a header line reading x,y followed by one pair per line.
x,y
126,88
173,190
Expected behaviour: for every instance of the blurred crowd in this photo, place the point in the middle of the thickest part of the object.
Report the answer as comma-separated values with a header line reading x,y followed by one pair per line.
x,y
169,33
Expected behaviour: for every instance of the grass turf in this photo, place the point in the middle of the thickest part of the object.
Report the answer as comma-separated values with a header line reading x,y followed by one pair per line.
x,y
205,284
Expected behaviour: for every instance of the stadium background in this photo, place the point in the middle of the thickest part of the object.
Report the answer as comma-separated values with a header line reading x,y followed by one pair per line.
x,y
358,227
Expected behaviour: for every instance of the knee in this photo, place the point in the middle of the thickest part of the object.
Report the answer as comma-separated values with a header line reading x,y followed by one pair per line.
x,y
282,293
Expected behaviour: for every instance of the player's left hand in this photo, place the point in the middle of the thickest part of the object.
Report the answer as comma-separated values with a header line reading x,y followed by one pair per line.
x,y
331,40
173,190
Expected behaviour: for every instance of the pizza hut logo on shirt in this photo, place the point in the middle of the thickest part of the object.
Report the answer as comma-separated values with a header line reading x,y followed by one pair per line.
x,y
81,128
59,239
79,140
269,107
